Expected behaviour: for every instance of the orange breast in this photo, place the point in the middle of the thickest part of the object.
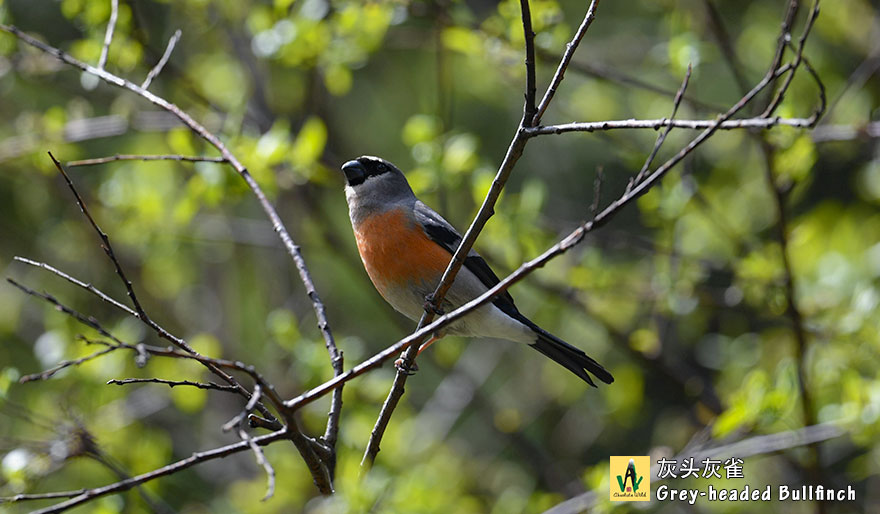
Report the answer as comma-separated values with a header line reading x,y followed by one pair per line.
x,y
397,252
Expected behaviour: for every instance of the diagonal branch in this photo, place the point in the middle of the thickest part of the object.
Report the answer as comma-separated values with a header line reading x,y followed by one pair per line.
x,y
108,35
105,241
163,61
564,62
196,458
292,248
662,137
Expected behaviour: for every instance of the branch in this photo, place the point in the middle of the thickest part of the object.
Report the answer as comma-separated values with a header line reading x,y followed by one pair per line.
x,y
564,62
529,35
662,137
196,458
108,35
139,311
655,124
161,64
173,383
780,93
122,157
41,496
45,375
292,248
142,349
105,241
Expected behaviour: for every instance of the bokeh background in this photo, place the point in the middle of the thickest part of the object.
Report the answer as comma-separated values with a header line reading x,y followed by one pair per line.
x,y
682,296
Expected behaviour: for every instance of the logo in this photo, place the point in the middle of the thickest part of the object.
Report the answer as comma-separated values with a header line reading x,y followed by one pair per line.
x,y
630,479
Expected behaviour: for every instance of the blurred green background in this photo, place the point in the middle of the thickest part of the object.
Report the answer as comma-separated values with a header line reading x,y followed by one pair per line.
x,y
682,296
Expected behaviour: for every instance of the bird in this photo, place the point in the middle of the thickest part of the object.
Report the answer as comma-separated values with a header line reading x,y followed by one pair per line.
x,y
406,246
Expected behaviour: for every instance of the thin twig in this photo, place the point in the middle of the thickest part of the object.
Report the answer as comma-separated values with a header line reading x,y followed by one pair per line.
x,y
42,496
662,137
192,460
88,287
563,63
124,157
45,375
139,311
161,64
174,383
93,323
278,226
105,241
780,93
239,422
249,407
600,126
108,35
529,108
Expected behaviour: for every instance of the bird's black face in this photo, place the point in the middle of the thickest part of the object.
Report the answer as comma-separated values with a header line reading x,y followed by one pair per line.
x,y
362,168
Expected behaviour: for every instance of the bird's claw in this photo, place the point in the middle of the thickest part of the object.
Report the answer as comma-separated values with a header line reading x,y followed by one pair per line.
x,y
430,307
410,370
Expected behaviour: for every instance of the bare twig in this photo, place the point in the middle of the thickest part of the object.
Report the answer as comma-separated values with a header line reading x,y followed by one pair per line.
x,y
563,64
662,137
292,248
105,241
88,287
121,157
174,383
238,422
196,458
45,375
240,417
42,496
108,35
600,126
780,93
93,323
161,64
139,311
529,108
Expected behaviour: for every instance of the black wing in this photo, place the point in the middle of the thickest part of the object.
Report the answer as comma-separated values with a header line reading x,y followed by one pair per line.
x,y
443,233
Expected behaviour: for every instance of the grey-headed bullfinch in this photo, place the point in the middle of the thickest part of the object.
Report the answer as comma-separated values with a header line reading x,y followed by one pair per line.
x,y
406,246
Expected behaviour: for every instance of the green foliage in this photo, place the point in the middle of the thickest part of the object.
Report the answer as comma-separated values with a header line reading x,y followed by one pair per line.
x,y
682,296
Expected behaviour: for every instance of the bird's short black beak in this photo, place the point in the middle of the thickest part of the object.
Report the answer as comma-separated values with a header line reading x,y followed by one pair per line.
x,y
355,173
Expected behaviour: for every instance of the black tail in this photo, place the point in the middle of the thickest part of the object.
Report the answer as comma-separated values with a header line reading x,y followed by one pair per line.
x,y
572,358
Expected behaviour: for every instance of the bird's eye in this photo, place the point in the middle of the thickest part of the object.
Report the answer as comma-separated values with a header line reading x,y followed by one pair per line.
x,y
381,168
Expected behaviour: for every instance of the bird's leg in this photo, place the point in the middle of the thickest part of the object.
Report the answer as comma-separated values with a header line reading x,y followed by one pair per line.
x,y
429,342
399,364
429,306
